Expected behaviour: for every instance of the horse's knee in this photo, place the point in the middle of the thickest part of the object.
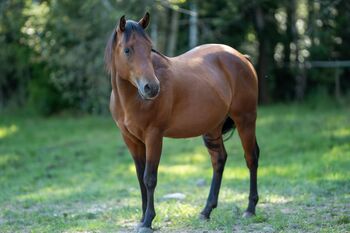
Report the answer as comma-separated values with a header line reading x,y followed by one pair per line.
x,y
150,181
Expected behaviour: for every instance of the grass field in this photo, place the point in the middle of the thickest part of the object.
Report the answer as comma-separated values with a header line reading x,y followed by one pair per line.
x,y
74,174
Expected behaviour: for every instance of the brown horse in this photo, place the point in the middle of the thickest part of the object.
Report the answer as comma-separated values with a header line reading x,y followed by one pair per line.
x,y
206,91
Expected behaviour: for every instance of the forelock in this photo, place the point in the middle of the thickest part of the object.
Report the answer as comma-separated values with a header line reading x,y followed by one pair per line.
x,y
131,27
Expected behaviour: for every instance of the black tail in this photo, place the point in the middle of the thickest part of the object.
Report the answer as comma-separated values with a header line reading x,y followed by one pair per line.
x,y
228,128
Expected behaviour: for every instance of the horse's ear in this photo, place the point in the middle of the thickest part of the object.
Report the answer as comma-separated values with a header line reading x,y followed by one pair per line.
x,y
122,23
144,21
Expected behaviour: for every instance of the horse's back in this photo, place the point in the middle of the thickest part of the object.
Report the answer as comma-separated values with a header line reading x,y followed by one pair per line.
x,y
225,67
206,49
219,57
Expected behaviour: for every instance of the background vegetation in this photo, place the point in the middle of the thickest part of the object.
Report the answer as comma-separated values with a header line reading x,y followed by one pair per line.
x,y
51,56
66,176
64,167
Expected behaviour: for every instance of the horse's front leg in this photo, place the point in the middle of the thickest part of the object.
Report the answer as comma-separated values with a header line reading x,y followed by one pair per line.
x,y
153,143
138,152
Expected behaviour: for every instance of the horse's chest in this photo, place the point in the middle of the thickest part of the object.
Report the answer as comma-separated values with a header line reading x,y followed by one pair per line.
x,y
132,124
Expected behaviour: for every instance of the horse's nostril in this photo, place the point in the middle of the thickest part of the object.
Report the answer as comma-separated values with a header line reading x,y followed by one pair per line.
x,y
147,88
150,90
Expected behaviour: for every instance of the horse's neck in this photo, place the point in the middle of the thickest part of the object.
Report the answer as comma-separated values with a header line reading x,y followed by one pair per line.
x,y
125,91
160,61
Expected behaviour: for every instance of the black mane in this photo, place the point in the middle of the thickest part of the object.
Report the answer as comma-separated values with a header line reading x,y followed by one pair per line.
x,y
109,52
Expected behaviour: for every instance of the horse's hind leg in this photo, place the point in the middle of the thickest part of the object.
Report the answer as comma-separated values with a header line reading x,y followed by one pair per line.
x,y
246,129
215,146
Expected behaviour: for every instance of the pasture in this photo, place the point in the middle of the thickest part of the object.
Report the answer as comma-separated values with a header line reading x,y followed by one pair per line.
x,y
74,174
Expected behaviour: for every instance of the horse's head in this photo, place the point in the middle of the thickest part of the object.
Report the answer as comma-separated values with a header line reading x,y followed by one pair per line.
x,y
130,56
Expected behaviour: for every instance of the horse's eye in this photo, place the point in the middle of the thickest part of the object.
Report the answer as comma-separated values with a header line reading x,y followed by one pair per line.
x,y
127,51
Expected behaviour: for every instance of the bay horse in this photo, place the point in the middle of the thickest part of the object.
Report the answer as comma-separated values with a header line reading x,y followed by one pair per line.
x,y
206,91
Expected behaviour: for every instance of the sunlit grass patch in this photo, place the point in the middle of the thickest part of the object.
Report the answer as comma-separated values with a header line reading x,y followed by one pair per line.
x,y
236,173
48,193
8,130
199,156
178,170
272,198
342,132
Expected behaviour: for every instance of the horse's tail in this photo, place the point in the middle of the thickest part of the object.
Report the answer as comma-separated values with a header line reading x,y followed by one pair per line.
x,y
228,128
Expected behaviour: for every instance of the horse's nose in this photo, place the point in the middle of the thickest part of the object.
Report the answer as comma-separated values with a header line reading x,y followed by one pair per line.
x,y
147,89
151,89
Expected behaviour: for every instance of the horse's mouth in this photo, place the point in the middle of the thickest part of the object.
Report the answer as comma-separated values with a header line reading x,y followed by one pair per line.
x,y
145,97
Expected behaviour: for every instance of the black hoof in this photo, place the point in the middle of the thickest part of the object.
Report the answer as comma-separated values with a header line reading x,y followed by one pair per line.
x,y
144,230
204,217
247,214
138,226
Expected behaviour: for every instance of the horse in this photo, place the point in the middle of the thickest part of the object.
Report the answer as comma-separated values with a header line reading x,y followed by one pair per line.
x,y
206,92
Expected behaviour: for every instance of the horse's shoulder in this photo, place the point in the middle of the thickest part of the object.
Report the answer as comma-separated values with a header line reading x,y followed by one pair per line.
x,y
115,108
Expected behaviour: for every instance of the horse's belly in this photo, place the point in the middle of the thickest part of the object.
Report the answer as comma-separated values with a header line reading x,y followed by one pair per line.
x,y
196,121
185,132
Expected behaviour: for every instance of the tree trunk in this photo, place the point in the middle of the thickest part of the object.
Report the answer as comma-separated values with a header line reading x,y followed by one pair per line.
x,y
193,34
173,33
163,27
289,36
264,54
154,25
289,65
311,21
300,82
262,70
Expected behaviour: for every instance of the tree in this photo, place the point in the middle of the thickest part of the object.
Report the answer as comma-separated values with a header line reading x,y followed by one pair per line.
x,y
265,26
15,68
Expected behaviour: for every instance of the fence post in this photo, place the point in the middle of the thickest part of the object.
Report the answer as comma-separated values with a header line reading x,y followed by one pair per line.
x,y
337,90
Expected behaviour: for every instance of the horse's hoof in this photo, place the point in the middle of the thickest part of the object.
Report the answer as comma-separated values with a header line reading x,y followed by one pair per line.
x,y
204,217
247,214
138,226
144,230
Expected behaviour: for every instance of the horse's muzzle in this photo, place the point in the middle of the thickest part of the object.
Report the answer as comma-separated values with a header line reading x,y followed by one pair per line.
x,y
149,90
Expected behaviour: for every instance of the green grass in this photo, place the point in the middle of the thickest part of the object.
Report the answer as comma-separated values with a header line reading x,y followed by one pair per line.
x,y
67,174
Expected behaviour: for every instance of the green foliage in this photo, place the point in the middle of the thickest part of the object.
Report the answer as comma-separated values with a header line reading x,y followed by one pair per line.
x,y
59,47
51,56
75,174
72,45
14,57
44,98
